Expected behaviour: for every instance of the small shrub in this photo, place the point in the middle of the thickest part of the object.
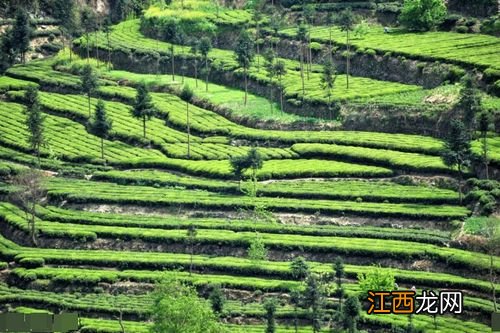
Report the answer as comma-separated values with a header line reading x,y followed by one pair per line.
x,y
370,52
462,29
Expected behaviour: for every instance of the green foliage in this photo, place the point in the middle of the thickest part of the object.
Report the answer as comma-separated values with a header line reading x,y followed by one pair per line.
x,y
21,33
314,299
270,308
143,107
299,268
376,279
177,308
423,14
351,313
257,250
469,102
244,49
34,120
217,298
457,151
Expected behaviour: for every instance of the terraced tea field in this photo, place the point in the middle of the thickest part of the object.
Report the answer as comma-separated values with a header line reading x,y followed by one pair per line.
x,y
248,199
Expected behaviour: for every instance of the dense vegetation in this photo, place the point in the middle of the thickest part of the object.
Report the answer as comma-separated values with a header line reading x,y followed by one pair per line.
x,y
258,166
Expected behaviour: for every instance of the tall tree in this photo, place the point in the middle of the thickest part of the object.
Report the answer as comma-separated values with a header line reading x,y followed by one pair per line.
x,y
191,234
302,33
173,33
270,67
328,81
280,70
21,33
457,150
187,95
257,17
143,106
347,21
238,165
29,192
217,299
89,23
351,312
491,231
101,125
65,12
205,47
329,21
276,22
469,102
423,14
244,54
483,126
314,299
176,307
7,50
89,82
107,30
34,121
256,162
270,308
339,270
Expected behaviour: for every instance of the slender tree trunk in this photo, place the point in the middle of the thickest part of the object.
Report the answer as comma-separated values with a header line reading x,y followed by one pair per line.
x,y
32,226
96,48
254,175
295,319
309,51
188,131
191,259
120,321
485,156
460,183
144,126
102,147
330,43
70,50
90,112
281,96
246,86
196,72
271,95
109,51
493,286
88,47
206,74
302,71
348,59
173,63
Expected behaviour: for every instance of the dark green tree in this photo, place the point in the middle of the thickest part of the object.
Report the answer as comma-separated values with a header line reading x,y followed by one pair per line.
x,y
34,121
89,83
314,299
238,165
187,95
88,21
217,298
275,23
483,127
280,70
65,12
256,163
191,236
423,15
347,20
328,80
457,150
101,126
21,33
143,106
470,102
351,313
205,47
7,50
270,308
257,18
299,268
244,53
338,268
